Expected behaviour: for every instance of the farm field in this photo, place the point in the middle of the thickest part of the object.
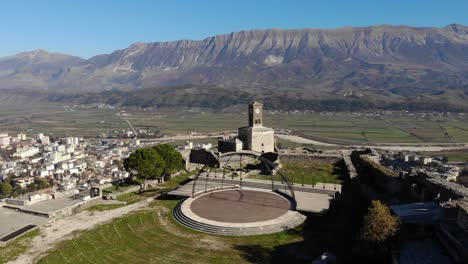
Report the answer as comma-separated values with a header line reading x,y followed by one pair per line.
x,y
453,156
360,128
55,120
354,127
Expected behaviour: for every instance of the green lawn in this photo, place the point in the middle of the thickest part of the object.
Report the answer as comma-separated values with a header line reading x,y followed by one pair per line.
x,y
307,173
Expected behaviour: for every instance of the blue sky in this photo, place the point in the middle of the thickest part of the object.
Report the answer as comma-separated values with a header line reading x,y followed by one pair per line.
x,y
90,27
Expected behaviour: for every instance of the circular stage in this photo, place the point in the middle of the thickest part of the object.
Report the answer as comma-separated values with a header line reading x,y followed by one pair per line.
x,y
238,212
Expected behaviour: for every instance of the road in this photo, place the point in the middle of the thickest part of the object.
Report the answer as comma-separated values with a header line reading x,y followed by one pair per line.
x,y
131,126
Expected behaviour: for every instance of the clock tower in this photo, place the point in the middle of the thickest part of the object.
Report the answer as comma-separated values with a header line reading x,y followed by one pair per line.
x,y
255,114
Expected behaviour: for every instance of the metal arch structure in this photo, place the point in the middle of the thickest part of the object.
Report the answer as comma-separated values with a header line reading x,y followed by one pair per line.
x,y
270,166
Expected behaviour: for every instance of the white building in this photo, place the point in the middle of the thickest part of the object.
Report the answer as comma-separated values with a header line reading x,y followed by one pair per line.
x,y
56,157
24,182
70,141
4,141
21,136
45,140
26,152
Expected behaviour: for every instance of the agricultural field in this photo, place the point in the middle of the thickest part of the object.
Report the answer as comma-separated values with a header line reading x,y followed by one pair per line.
x,y
452,156
355,127
57,120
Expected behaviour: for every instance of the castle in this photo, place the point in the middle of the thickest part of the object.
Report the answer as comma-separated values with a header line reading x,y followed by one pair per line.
x,y
254,137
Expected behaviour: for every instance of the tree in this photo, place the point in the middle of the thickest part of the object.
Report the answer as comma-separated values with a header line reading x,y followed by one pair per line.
x,y
17,191
41,183
172,158
147,163
5,189
32,187
379,224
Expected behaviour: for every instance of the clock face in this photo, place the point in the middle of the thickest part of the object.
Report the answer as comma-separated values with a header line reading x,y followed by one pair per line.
x,y
257,111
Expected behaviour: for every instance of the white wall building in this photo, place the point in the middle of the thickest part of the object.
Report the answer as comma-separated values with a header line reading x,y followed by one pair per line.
x,y
26,152
21,136
4,141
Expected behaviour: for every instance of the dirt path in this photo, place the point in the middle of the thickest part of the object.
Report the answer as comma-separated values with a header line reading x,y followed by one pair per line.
x,y
59,230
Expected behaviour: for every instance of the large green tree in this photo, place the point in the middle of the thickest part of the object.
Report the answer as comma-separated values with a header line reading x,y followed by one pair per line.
x,y
379,224
172,158
5,189
147,163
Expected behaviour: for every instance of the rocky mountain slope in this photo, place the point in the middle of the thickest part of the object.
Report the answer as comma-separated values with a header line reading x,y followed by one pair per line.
x,y
391,62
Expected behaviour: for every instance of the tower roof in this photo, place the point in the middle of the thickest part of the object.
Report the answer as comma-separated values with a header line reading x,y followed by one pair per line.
x,y
256,103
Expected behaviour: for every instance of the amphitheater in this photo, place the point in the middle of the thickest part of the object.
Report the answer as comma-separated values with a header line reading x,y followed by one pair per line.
x,y
238,212
220,199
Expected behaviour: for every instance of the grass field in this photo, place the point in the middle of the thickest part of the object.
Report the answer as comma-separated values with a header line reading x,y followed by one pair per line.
x,y
360,127
308,173
14,248
151,236
453,156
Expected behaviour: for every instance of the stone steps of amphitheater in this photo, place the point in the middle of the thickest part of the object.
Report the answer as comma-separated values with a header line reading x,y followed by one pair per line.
x,y
295,220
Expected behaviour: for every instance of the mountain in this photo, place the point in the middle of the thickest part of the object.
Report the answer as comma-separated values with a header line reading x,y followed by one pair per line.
x,y
35,70
391,63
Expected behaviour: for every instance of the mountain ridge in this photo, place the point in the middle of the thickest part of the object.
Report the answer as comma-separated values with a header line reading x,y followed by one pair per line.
x,y
394,62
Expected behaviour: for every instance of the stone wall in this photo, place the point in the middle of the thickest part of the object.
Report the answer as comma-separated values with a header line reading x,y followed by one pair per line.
x,y
74,209
384,182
